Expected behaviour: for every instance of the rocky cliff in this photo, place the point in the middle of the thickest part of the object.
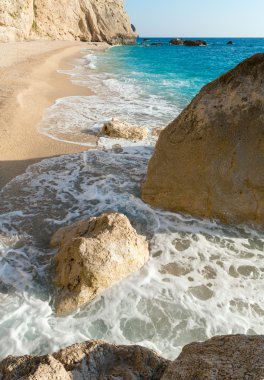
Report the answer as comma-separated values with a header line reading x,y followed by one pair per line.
x,y
209,161
84,20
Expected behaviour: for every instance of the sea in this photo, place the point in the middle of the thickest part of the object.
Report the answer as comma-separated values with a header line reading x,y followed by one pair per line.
x,y
203,278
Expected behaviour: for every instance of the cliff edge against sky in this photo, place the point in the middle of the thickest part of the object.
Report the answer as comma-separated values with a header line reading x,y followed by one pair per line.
x,y
84,20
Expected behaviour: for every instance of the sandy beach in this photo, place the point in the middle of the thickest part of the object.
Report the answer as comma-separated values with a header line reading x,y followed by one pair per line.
x,y
29,84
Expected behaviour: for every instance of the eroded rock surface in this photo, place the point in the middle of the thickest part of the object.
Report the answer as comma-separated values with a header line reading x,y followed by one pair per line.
x,y
90,360
85,20
93,255
120,129
234,357
209,161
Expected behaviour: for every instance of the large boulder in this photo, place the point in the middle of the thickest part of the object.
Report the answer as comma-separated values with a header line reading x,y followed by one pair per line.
x,y
234,357
90,360
93,255
120,129
209,161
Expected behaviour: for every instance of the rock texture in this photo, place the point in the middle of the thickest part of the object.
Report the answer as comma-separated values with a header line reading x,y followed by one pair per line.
x,y
209,161
234,357
85,20
93,255
120,129
90,360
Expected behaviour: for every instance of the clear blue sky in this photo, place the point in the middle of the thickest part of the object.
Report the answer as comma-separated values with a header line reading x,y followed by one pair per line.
x,y
197,18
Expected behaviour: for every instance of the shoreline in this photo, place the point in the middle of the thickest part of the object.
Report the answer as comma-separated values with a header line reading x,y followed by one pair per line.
x,y
30,83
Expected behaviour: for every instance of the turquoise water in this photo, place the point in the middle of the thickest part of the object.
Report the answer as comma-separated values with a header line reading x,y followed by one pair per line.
x,y
146,85
203,278
177,73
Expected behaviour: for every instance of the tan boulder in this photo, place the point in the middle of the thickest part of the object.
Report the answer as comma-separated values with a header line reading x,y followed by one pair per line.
x,y
89,360
93,255
209,161
120,129
231,357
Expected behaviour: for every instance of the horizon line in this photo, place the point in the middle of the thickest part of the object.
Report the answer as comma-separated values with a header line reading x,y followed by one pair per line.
x,y
200,37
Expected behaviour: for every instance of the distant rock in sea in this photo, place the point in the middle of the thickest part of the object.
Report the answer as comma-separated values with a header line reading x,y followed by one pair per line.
x,y
83,20
93,255
179,41
237,357
230,43
209,161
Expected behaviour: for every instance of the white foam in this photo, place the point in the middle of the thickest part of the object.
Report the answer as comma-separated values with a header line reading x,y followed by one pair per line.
x,y
71,119
202,279
91,58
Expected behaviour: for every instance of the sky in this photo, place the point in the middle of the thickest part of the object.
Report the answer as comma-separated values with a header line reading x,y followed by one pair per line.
x,y
197,18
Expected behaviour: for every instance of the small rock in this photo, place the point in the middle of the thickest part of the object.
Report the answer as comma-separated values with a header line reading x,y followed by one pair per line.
x,y
93,255
119,129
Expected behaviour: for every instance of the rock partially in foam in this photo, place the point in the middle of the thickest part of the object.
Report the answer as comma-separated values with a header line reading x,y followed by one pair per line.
x,y
120,129
209,161
89,360
93,255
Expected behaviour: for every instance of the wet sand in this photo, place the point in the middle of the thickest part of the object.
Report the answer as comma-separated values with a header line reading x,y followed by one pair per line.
x,y
29,83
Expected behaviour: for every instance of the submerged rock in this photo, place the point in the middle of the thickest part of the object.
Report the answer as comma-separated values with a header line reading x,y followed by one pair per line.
x,y
93,255
232,357
209,161
90,360
119,129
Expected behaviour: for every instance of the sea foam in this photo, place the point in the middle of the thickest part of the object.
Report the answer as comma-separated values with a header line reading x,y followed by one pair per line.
x,y
202,279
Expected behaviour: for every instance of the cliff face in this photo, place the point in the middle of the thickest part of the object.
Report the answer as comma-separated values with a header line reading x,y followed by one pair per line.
x,y
85,20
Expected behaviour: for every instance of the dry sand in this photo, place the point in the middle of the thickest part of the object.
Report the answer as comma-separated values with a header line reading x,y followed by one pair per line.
x,y
29,83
